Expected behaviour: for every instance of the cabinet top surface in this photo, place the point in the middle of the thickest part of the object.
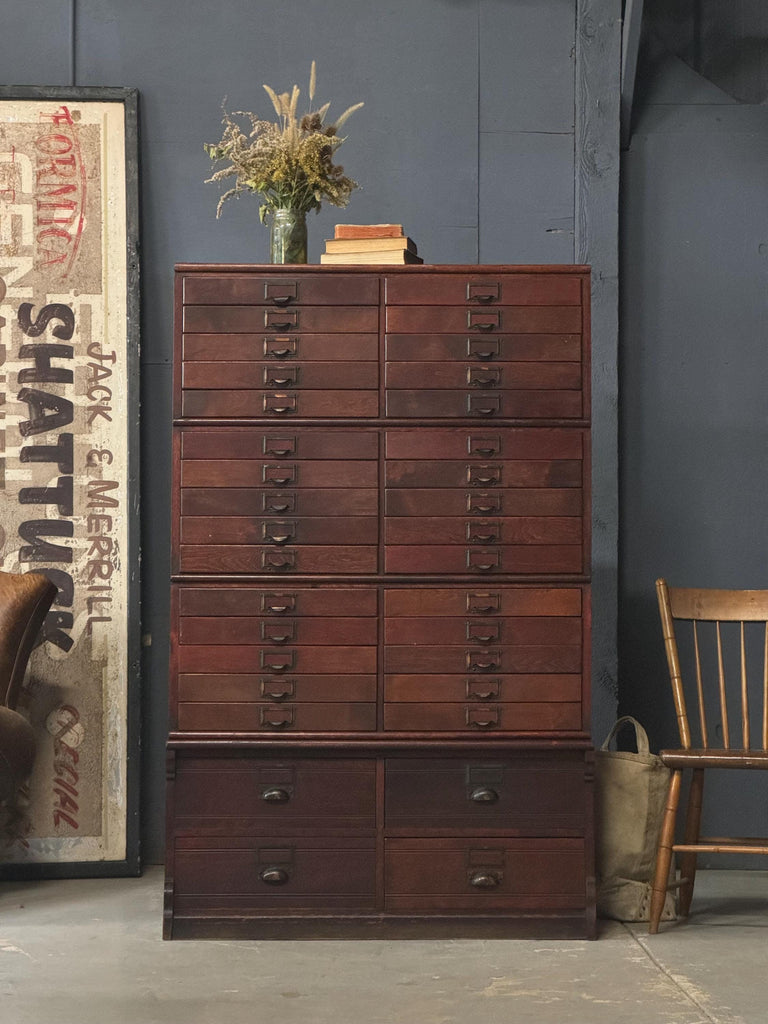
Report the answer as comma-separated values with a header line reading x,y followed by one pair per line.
x,y
380,268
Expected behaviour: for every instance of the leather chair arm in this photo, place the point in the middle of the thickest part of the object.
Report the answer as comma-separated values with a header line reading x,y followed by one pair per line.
x,y
17,751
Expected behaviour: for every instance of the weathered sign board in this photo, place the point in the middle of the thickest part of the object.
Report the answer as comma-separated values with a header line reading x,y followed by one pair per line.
x,y
69,412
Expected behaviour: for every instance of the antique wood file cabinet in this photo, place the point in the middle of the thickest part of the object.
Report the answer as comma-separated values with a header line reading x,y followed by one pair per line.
x,y
380,603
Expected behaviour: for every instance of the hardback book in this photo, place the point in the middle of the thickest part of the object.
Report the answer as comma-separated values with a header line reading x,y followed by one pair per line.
x,y
368,231
377,256
369,244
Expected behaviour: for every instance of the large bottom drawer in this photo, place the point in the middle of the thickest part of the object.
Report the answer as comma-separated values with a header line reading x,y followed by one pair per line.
x,y
239,875
484,876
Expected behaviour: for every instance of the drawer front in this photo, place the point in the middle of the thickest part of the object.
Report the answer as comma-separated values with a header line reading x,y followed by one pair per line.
x,y
481,377
236,558
274,660
269,530
258,443
279,348
535,795
485,405
481,320
273,474
477,445
278,405
236,875
478,718
477,349
518,501
474,561
476,659
246,795
281,631
226,687
295,601
242,319
281,290
276,375
471,601
273,718
517,689
308,501
427,875
512,530
484,289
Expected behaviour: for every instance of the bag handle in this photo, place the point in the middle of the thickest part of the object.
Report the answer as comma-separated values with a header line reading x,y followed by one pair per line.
x,y
641,736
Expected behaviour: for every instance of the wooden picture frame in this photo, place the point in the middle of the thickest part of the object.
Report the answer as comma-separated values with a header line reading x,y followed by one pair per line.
x,y
69,464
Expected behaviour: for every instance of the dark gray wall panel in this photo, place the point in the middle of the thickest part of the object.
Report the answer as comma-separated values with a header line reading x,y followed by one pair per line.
x,y
35,43
527,66
694,369
415,137
526,197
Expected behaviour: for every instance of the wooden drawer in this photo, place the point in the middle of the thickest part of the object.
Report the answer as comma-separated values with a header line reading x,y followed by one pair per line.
x,y
238,348
245,795
501,347
261,529
533,530
260,443
478,376
478,445
441,631
277,630
509,688
224,687
487,405
281,290
477,718
303,601
479,660
470,319
534,795
247,501
509,600
427,875
539,559
482,475
231,404
283,718
271,474
517,501
239,558
484,289
276,660
239,319
233,875
274,375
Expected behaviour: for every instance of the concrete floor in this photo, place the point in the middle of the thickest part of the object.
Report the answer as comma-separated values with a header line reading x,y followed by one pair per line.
x,y
90,952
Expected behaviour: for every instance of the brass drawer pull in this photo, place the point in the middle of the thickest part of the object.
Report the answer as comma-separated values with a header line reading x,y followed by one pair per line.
x,y
485,879
276,506
484,795
276,796
274,876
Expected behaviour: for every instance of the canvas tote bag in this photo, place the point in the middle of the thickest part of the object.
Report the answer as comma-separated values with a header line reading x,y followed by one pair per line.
x,y
630,795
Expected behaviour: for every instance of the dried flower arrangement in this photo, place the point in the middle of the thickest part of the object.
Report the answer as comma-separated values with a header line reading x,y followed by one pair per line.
x,y
289,163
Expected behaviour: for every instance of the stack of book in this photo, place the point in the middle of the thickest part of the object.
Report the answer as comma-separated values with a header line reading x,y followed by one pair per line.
x,y
369,243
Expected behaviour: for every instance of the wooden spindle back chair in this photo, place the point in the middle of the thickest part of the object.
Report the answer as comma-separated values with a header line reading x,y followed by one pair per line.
x,y
730,722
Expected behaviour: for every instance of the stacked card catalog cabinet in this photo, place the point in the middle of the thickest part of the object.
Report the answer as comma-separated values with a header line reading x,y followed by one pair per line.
x,y
380,605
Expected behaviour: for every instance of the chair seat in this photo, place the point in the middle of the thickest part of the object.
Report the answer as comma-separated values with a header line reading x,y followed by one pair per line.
x,y
708,758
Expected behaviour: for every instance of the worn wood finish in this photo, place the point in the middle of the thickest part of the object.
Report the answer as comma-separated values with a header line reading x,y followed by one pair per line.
x,y
346,746
719,621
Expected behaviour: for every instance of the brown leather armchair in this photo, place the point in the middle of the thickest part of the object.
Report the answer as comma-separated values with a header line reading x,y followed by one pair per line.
x,y
24,603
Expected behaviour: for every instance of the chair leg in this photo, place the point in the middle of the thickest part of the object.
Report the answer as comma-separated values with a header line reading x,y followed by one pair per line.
x,y
692,833
664,854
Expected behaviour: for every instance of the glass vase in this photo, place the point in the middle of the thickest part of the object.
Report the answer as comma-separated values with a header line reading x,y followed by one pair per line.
x,y
288,237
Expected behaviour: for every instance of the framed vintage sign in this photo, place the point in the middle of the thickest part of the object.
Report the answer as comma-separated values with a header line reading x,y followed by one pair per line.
x,y
69,495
